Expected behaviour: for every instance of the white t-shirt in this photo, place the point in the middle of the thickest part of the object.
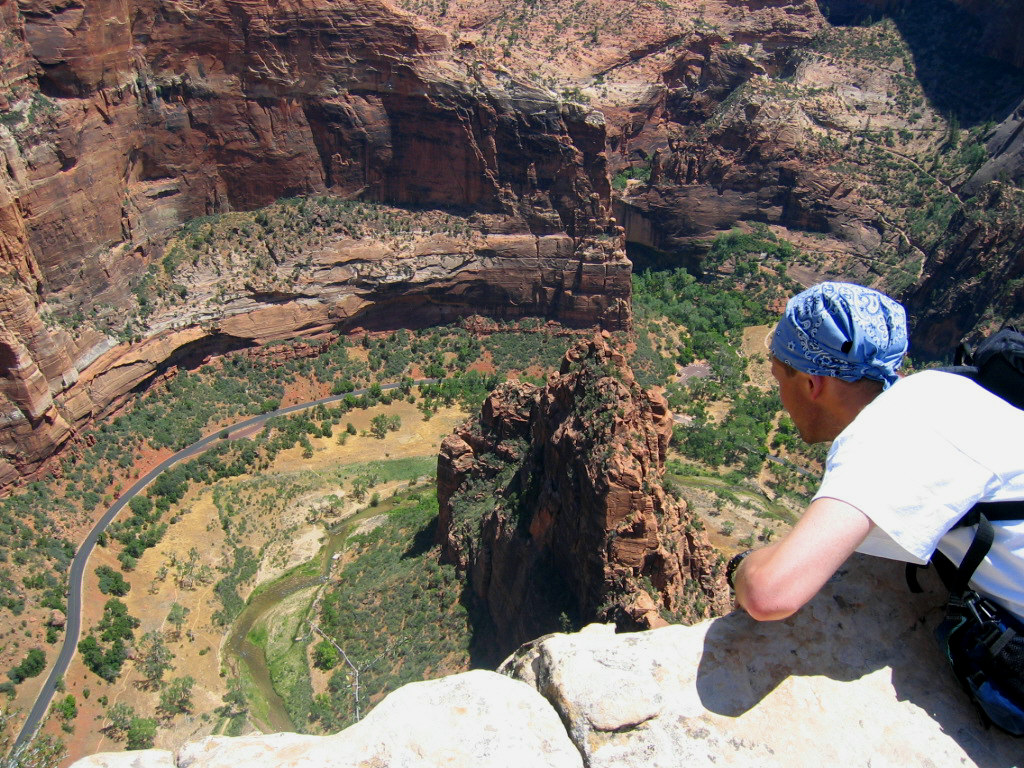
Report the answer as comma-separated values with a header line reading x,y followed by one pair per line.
x,y
917,458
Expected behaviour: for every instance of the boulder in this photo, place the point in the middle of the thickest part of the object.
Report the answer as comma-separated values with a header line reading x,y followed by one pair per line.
x,y
853,679
473,720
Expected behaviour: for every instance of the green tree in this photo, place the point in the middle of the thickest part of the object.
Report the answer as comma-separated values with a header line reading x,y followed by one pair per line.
x,y
176,617
67,708
325,655
359,487
234,699
33,663
154,658
120,717
116,622
191,572
112,582
141,506
141,733
379,426
177,696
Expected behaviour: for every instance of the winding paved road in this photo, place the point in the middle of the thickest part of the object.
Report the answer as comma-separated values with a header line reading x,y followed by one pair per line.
x,y
73,627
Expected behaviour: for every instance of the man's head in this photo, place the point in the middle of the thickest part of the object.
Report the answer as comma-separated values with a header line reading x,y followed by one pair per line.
x,y
843,330
836,347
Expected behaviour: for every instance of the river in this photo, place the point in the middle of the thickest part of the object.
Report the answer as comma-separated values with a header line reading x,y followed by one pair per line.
x,y
264,599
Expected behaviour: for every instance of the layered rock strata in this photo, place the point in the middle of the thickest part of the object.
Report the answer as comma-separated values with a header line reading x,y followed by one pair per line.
x,y
887,148
853,678
862,131
121,119
551,503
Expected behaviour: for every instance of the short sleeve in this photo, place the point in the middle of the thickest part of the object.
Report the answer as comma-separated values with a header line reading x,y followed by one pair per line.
x,y
905,475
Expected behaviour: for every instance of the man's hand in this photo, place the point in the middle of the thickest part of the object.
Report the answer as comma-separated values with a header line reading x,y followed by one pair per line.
x,y
774,582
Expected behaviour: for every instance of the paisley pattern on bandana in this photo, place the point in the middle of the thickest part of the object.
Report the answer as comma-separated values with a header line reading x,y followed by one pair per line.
x,y
843,330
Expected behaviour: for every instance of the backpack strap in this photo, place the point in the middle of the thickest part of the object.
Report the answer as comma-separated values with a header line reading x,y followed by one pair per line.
x,y
998,366
975,554
993,510
956,577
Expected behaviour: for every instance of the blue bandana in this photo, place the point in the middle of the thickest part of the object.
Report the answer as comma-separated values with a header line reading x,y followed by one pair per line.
x,y
843,330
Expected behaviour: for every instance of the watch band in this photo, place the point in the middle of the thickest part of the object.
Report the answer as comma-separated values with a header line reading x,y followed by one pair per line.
x,y
734,563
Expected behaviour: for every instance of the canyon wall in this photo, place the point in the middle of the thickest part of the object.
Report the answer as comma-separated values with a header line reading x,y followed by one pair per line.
x,y
551,503
881,138
120,120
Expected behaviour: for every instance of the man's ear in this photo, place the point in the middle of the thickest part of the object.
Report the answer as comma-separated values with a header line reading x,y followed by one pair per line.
x,y
816,385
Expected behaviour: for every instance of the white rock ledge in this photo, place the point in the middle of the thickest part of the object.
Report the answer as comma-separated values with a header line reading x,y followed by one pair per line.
x,y
854,679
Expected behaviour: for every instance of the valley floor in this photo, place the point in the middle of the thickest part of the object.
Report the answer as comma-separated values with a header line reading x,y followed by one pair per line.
x,y
292,504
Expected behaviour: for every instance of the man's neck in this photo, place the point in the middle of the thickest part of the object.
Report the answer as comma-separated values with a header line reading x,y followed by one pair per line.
x,y
844,400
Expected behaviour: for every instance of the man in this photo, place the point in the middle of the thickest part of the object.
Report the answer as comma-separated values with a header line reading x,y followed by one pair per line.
x,y
909,456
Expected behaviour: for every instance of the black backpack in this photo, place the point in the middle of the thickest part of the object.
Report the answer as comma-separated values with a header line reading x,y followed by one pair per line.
x,y
983,642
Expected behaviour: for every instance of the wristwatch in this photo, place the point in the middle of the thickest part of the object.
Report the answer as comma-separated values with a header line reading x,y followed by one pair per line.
x,y
730,569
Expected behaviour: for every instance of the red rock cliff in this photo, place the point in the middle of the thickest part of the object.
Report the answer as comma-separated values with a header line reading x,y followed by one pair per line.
x,y
552,504
121,119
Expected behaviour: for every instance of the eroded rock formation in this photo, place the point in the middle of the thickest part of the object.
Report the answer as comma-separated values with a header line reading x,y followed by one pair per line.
x,y
868,144
551,502
122,119
862,131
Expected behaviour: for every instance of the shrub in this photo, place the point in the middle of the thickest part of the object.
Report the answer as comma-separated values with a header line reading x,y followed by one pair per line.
x,y
30,666
177,696
112,582
325,655
66,709
141,733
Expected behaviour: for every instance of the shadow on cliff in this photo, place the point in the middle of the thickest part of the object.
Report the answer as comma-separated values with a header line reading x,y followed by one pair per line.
x,y
422,540
488,646
865,620
950,48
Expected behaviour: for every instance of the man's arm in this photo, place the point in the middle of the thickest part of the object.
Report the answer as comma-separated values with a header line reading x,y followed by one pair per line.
x,y
773,582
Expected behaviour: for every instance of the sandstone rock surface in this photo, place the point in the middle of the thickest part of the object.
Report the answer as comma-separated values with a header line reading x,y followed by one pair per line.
x,y
473,720
853,679
143,758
